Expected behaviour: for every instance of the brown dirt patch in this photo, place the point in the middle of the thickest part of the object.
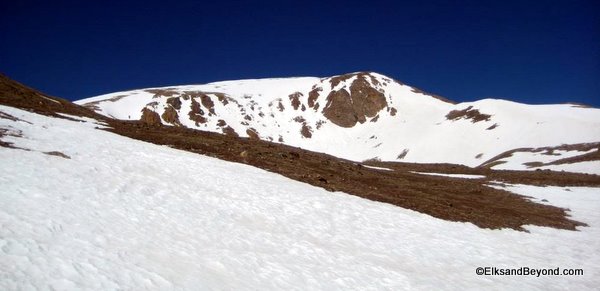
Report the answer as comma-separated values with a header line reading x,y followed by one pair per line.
x,y
229,131
295,99
196,113
299,119
208,104
170,116
222,98
175,102
468,113
492,127
306,131
320,123
402,155
313,95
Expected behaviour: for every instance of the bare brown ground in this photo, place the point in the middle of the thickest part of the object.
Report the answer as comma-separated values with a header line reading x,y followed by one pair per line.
x,y
442,197
468,113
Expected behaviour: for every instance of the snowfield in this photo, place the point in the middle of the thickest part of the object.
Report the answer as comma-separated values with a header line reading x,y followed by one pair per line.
x,y
128,215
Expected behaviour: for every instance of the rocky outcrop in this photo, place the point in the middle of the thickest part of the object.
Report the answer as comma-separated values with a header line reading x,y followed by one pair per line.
x,y
170,116
175,102
252,133
196,113
150,117
345,108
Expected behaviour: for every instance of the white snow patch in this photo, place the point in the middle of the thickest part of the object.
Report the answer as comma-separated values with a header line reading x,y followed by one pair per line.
x,y
377,168
463,176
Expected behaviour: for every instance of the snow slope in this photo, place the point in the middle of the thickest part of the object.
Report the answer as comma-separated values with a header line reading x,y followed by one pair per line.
x,y
122,214
411,127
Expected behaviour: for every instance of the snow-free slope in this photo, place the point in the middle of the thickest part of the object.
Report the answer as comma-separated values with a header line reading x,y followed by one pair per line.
x,y
110,212
363,116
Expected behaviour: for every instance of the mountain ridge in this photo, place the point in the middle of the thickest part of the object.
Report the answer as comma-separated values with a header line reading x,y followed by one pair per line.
x,y
373,116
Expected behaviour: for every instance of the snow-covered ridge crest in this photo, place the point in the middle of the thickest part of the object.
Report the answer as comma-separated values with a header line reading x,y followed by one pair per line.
x,y
361,116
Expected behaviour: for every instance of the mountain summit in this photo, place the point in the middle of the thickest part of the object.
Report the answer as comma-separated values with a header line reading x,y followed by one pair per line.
x,y
369,116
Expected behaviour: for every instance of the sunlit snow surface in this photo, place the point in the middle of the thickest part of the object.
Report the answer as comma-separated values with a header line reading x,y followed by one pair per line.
x,y
462,176
123,214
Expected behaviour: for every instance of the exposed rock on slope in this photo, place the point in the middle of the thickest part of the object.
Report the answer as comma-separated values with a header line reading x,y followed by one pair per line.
x,y
345,109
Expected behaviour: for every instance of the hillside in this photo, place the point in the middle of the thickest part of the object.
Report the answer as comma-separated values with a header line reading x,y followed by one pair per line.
x,y
91,202
368,116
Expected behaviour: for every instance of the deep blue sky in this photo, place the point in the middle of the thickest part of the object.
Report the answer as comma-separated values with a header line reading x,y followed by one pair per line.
x,y
528,51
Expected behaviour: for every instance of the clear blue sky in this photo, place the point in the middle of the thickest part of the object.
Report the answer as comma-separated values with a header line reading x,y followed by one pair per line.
x,y
529,51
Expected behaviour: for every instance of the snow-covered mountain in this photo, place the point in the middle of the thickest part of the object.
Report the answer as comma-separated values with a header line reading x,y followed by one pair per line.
x,y
86,204
86,209
362,116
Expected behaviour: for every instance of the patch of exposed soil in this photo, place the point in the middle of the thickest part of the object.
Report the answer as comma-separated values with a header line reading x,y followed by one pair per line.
x,y
229,131
57,154
299,119
320,123
295,100
208,103
306,131
402,155
468,113
175,102
492,127
313,95
222,98
20,96
196,113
